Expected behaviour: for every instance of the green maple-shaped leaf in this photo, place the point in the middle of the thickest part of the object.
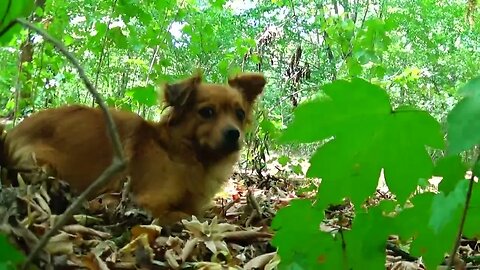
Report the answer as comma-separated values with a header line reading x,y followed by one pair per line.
x,y
366,241
143,95
298,237
452,169
9,11
446,207
405,157
366,136
300,211
354,68
462,122
118,38
433,217
471,228
283,160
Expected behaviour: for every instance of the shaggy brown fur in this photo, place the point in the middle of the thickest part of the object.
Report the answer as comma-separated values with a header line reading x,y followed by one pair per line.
x,y
175,165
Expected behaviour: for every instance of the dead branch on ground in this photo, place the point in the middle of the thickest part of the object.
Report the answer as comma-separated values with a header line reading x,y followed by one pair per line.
x,y
118,162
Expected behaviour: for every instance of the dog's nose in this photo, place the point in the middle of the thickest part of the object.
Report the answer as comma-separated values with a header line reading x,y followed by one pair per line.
x,y
231,135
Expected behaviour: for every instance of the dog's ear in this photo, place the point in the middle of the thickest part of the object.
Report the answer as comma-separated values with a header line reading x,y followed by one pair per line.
x,y
177,94
250,84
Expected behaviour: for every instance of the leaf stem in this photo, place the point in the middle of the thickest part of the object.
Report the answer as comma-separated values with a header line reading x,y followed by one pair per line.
x,y
453,253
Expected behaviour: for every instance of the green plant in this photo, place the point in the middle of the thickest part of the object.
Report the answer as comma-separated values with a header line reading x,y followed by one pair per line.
x,y
9,255
365,134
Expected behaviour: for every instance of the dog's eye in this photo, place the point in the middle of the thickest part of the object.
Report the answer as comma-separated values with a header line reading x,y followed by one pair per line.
x,y
206,112
240,114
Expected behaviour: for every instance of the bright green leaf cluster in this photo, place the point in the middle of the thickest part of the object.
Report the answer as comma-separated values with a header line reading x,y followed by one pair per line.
x,y
362,134
9,11
365,135
144,95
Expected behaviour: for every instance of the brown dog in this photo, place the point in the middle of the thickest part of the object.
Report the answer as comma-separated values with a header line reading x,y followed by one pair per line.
x,y
175,165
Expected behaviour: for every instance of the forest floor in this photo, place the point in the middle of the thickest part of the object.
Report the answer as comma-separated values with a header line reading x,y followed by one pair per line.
x,y
111,233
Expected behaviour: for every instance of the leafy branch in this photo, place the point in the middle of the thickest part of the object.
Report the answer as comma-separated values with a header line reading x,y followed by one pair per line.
x,y
458,238
118,162
368,136
463,135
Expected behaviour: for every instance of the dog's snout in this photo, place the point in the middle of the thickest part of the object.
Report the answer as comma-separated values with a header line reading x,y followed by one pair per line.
x,y
231,135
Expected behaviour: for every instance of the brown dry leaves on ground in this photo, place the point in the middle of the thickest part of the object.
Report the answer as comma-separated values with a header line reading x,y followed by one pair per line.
x,y
112,233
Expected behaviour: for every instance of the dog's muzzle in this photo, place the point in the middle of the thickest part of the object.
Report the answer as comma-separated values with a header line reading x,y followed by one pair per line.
x,y
231,138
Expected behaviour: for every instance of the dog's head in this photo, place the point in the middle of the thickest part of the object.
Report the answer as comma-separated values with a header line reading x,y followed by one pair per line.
x,y
213,116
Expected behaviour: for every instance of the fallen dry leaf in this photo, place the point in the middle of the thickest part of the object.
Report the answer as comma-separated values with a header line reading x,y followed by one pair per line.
x,y
80,229
127,253
61,243
152,232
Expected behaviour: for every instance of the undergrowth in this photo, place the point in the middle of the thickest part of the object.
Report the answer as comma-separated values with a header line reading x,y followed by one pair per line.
x,y
365,135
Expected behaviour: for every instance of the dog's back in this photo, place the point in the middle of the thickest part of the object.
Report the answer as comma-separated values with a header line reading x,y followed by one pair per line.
x,y
69,142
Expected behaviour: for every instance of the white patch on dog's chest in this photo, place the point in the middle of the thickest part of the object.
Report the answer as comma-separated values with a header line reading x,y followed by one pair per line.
x,y
215,177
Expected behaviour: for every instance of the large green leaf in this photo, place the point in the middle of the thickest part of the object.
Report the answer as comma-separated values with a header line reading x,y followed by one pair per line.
x,y
366,136
463,121
433,217
444,207
452,169
9,11
298,236
9,255
348,107
118,38
366,241
471,228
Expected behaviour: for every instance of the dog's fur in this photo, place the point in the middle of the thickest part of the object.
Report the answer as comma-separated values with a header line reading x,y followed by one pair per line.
x,y
175,165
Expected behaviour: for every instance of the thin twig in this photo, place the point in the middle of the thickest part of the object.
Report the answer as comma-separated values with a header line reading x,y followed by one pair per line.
x,y
118,162
17,89
104,46
344,248
462,221
117,147
115,167
230,205
152,62
253,201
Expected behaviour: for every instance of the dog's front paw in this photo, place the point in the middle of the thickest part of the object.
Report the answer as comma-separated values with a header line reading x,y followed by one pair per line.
x,y
171,217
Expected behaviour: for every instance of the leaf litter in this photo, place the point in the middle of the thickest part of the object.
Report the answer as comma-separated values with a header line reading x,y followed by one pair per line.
x,y
112,233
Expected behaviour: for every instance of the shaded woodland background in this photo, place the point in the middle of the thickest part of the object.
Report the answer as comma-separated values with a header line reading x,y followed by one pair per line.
x,y
420,51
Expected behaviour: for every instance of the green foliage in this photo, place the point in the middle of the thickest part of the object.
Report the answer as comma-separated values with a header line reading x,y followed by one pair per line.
x,y
363,125
366,241
361,134
9,11
418,223
463,124
471,228
9,255
144,95
125,44
452,170
407,52
298,246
